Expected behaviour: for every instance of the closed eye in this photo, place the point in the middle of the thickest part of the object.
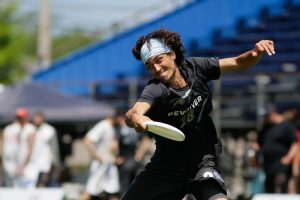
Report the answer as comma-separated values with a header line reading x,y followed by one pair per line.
x,y
156,60
148,65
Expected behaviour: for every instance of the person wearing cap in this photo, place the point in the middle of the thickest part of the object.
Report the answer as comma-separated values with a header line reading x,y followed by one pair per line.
x,y
179,95
18,139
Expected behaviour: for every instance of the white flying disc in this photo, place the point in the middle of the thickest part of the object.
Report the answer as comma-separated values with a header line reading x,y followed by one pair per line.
x,y
165,130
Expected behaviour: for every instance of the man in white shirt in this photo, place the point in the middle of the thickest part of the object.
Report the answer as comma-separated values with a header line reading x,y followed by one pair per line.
x,y
18,138
45,153
102,145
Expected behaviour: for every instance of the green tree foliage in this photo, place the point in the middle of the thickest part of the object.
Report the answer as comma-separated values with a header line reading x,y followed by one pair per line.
x,y
18,43
14,43
66,43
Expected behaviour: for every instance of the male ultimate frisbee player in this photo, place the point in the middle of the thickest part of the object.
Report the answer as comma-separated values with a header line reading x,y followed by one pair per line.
x,y
179,95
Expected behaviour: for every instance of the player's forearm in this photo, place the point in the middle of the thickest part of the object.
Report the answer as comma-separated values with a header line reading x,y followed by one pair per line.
x,y
239,63
248,60
287,159
91,149
25,161
292,151
115,147
29,150
142,149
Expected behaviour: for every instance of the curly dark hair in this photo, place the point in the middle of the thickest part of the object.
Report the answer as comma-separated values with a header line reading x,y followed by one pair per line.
x,y
171,39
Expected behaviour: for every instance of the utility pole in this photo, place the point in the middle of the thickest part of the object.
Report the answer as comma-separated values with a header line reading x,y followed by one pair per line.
x,y
261,82
44,38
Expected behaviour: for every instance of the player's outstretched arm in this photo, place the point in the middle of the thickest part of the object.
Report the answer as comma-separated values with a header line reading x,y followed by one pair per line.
x,y
247,59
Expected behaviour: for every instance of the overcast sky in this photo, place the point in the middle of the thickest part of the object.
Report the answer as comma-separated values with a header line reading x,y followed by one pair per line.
x,y
100,15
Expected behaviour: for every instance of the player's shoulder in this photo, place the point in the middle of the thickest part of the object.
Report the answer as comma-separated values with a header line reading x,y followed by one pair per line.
x,y
156,84
194,60
30,127
154,81
49,127
200,60
10,127
156,89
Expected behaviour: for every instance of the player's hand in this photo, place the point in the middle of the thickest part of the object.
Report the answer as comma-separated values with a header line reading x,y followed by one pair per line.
x,y
19,171
99,159
285,160
119,160
138,122
264,46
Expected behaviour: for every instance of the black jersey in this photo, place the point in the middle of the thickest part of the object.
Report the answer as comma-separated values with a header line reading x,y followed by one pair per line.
x,y
188,111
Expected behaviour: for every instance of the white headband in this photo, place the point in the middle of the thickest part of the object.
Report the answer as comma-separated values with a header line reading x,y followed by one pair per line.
x,y
155,48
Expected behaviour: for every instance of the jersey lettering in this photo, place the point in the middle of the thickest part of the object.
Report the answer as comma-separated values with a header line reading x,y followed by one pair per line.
x,y
187,118
195,103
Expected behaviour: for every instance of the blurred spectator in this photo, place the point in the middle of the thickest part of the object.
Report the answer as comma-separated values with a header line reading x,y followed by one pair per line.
x,y
128,140
102,145
252,170
18,138
1,166
291,115
278,145
135,151
294,186
144,151
226,159
45,153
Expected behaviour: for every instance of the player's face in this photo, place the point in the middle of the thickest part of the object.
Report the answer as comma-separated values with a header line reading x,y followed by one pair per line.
x,y
162,67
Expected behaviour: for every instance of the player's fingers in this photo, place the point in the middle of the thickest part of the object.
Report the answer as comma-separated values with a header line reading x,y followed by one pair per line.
x,y
141,128
264,47
271,46
258,49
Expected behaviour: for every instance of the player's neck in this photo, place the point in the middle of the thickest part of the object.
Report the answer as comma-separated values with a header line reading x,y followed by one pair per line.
x,y
178,80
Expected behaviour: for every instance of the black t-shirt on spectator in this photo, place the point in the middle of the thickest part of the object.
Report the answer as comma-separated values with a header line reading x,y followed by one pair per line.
x,y
276,143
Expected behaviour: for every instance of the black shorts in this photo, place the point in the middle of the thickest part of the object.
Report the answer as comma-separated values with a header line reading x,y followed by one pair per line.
x,y
166,181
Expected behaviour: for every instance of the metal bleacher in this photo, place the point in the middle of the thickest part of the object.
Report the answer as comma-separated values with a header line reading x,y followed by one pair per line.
x,y
239,91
